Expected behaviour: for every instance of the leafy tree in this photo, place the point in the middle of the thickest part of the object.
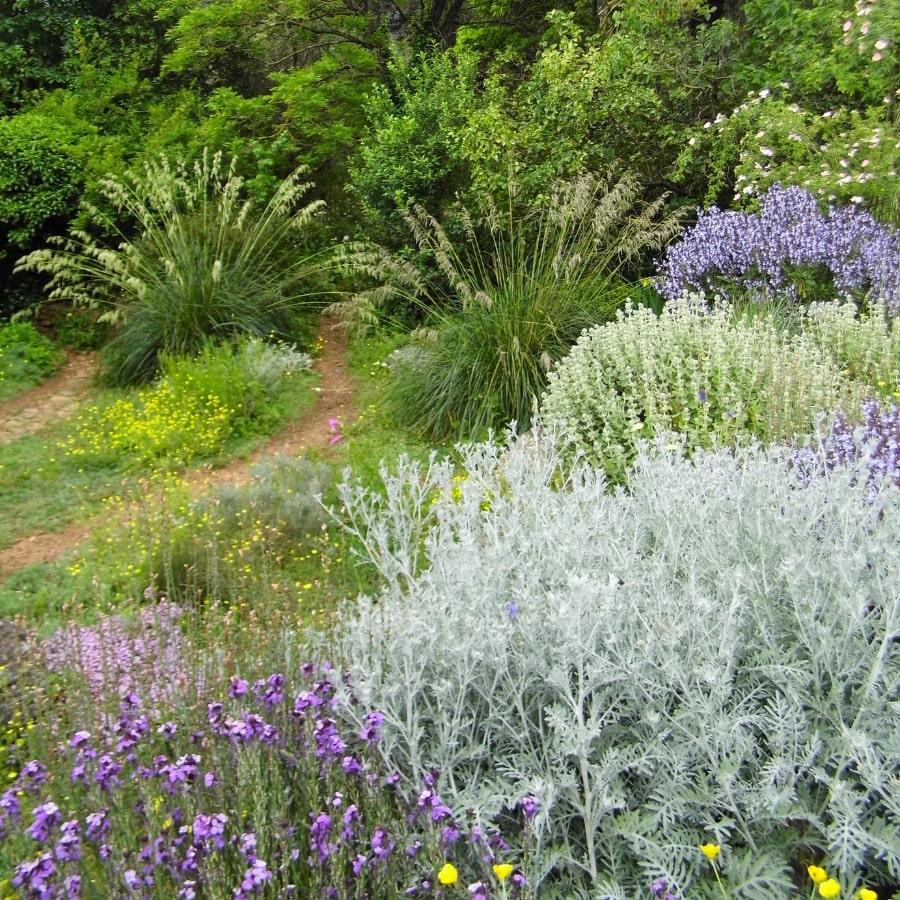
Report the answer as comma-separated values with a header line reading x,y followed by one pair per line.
x,y
43,44
412,150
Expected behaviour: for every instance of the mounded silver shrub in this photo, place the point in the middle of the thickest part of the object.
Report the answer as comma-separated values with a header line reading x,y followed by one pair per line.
x,y
711,653
703,372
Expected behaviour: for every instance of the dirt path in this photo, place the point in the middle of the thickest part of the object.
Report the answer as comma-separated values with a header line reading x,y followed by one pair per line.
x,y
51,400
59,396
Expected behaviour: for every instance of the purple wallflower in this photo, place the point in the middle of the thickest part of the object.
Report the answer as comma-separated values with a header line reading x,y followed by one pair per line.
x,y
350,818
68,848
373,722
46,817
35,877
168,730
98,825
255,877
33,775
382,845
530,806
320,833
210,828
237,688
328,742
274,692
9,803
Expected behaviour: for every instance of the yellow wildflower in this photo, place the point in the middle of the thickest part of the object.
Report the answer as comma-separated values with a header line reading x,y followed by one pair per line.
x,y
817,874
504,870
867,894
710,851
829,889
448,875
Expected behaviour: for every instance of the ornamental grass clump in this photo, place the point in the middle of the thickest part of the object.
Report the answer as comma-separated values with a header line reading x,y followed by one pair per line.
x,y
706,655
267,794
518,290
788,249
178,256
713,376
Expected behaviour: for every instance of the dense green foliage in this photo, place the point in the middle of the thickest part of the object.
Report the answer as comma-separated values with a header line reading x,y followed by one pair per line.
x,y
26,356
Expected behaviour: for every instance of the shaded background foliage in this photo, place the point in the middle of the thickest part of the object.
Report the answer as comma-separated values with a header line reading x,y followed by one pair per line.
x,y
421,101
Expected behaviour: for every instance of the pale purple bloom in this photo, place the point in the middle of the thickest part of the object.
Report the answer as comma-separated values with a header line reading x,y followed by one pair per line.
x,y
373,722
211,828
46,817
237,688
758,251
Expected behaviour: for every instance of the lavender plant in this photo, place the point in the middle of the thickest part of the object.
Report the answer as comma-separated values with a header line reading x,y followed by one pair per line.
x,y
873,444
658,667
266,797
702,372
785,250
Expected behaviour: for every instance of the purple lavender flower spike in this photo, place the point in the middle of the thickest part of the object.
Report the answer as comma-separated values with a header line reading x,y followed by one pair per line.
x,y
758,252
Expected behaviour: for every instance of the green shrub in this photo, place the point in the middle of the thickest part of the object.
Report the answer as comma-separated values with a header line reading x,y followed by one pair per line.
x,y
40,177
26,357
193,411
706,373
865,346
232,541
519,298
707,656
203,263
80,329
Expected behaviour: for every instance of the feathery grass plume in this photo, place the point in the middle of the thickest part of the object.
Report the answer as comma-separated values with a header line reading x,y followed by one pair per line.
x,y
523,284
188,259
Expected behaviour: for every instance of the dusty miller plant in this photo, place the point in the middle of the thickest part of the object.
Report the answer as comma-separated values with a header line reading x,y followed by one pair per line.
x,y
710,654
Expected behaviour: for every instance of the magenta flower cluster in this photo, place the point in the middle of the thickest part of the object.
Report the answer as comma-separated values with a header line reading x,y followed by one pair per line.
x,y
159,808
761,253
113,659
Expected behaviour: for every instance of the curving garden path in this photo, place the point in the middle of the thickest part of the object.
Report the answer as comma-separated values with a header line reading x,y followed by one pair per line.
x,y
58,397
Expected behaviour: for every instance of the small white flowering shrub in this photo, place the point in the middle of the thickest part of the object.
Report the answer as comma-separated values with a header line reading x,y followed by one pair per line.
x,y
709,655
700,371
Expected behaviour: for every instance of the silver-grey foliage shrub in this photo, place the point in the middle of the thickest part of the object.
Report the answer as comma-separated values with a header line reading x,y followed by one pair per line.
x,y
711,653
